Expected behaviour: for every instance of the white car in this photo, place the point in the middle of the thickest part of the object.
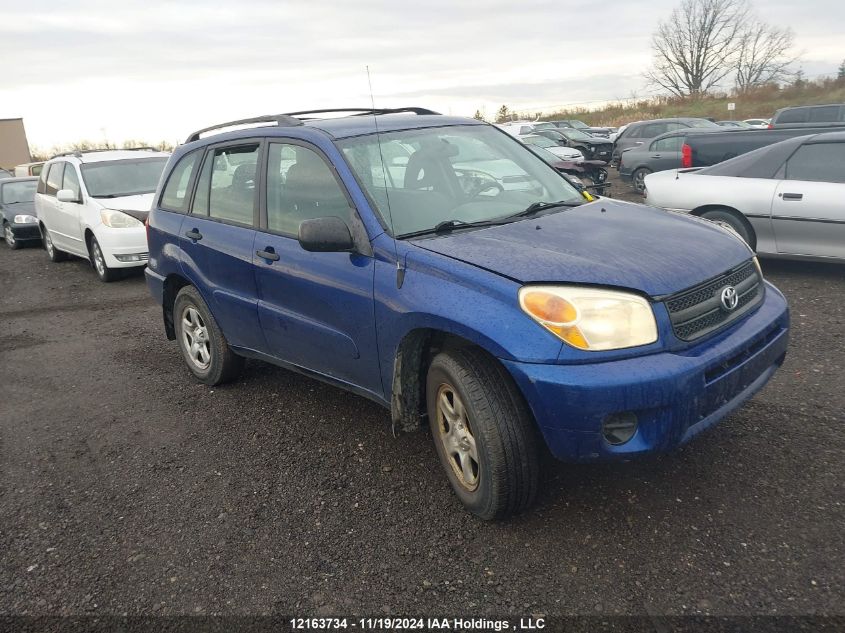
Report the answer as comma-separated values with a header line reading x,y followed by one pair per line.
x,y
93,205
785,199
561,151
760,124
520,128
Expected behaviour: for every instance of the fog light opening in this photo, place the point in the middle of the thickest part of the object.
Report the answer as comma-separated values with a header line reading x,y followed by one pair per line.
x,y
619,428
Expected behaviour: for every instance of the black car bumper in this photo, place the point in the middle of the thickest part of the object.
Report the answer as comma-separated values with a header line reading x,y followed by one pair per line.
x,y
26,232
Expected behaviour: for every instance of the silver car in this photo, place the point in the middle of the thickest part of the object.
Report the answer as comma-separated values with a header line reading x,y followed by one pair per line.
x,y
784,200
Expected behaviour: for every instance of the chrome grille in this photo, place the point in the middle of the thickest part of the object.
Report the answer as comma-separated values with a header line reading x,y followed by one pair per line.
x,y
698,310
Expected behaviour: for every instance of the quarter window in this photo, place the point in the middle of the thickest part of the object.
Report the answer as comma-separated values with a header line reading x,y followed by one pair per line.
x,y
54,178
301,186
817,162
175,196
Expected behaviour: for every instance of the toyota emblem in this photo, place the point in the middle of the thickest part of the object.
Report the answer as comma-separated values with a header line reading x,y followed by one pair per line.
x,y
729,298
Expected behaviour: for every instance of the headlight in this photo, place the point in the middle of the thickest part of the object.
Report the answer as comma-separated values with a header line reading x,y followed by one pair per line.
x,y
591,318
25,219
119,220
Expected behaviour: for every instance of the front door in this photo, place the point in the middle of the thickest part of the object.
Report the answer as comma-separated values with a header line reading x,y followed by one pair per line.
x,y
316,309
217,239
808,209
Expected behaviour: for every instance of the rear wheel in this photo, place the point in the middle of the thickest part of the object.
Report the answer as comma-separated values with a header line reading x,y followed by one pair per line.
x,y
638,178
53,253
732,221
483,433
104,273
204,348
9,236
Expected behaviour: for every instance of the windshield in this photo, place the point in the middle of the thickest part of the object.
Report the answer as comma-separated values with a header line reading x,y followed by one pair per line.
x,y
701,123
112,179
539,141
545,126
578,124
578,135
467,173
14,192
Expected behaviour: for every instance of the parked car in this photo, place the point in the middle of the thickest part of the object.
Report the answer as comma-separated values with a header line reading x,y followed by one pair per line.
x,y
519,128
592,147
614,135
17,211
785,199
588,175
29,169
93,205
703,150
810,116
566,153
760,124
641,132
5,174
575,124
664,152
734,124
504,318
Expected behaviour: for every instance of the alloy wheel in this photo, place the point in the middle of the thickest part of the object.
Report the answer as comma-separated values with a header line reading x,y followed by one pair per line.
x,y
48,243
9,235
456,437
195,338
99,262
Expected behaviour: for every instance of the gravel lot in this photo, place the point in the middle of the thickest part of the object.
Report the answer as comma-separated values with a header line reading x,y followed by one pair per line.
x,y
127,487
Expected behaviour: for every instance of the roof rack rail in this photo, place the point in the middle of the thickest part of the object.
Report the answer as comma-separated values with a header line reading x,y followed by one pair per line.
x,y
79,152
281,120
296,118
365,111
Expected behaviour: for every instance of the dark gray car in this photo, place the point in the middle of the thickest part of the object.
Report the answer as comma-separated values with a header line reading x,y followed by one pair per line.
x,y
810,116
592,147
641,132
659,154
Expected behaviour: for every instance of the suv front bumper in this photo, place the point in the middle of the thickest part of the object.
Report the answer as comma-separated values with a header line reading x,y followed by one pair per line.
x,y
675,395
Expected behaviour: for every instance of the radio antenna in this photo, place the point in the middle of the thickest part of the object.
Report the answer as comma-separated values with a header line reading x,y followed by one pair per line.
x,y
400,267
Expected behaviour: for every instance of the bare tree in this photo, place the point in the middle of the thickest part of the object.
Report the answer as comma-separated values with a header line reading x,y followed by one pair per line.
x,y
762,55
693,50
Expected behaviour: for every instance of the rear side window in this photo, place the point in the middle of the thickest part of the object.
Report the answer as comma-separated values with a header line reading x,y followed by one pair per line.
x,y
234,174
671,144
54,178
795,115
817,162
824,114
300,186
71,180
176,194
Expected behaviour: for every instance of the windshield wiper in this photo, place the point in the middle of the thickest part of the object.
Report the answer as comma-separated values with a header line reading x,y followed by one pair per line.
x,y
122,195
536,207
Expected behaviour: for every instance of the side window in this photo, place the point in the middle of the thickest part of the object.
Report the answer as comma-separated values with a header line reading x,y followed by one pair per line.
x,y
42,180
671,144
234,174
671,127
54,178
71,180
819,162
823,114
636,132
176,194
795,115
300,186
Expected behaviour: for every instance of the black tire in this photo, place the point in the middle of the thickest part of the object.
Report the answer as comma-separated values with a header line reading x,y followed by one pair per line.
x,y
735,222
223,364
502,429
9,237
638,178
53,253
98,261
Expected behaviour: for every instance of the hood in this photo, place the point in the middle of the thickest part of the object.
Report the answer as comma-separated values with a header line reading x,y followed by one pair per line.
x,y
607,242
566,153
20,208
136,206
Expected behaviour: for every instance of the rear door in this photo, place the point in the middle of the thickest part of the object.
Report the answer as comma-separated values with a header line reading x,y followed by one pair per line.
x,y
216,239
808,210
665,153
316,309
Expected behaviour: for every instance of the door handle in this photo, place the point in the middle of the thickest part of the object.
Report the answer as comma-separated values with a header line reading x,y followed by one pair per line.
x,y
193,234
793,196
268,254
655,156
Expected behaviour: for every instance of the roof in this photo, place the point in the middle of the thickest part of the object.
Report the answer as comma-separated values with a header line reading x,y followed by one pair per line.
x,y
828,137
18,179
345,127
99,156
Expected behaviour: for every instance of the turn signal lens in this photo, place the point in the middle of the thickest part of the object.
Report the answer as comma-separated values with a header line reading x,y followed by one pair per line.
x,y
591,318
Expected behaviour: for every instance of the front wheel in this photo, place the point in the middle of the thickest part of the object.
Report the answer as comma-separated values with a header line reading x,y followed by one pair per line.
x,y
204,348
104,273
638,178
730,221
9,236
483,433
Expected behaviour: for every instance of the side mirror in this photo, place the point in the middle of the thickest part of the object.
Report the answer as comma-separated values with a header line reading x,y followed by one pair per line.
x,y
325,235
66,195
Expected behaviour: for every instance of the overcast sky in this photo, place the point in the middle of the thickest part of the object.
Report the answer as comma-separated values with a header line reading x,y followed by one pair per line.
x,y
155,70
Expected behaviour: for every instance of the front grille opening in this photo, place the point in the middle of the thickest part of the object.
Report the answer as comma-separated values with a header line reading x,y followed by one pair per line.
x,y
697,311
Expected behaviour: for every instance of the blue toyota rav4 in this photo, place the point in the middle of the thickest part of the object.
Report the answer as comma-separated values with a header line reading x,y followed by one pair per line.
x,y
437,266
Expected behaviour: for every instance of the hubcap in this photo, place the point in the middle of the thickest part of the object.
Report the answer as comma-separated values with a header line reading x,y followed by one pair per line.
x,y
10,237
48,243
195,338
455,435
99,263
640,181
